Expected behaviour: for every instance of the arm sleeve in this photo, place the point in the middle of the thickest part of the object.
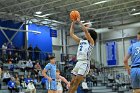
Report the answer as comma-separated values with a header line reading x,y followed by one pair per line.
x,y
47,67
130,50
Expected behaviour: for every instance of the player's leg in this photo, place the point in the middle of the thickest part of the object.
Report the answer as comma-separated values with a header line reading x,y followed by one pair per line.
x,y
82,72
135,79
76,83
74,72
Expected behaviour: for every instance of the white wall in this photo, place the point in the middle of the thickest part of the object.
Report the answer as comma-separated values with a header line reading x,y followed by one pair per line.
x,y
57,45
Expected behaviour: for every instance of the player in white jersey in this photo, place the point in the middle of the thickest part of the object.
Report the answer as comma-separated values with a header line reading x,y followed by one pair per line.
x,y
83,55
59,79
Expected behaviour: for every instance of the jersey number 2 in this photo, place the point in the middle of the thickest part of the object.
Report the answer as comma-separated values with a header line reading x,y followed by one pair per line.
x,y
81,48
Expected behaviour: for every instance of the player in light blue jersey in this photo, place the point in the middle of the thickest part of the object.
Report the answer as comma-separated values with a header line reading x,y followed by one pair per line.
x,y
49,72
134,53
83,55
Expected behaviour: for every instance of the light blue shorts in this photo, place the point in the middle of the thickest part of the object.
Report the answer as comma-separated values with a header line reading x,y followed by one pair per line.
x,y
51,85
135,78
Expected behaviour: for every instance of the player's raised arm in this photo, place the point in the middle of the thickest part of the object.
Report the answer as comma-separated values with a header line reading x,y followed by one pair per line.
x,y
76,38
87,35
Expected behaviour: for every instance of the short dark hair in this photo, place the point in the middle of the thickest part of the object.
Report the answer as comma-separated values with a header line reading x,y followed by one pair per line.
x,y
51,57
93,34
139,33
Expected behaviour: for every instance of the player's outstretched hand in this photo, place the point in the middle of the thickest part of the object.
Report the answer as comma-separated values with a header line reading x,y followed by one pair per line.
x,y
78,20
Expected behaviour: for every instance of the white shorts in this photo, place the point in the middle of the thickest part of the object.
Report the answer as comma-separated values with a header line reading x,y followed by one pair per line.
x,y
59,87
81,68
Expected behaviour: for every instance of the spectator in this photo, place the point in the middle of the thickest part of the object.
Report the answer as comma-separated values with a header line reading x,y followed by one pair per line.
x,y
17,81
16,58
29,65
10,49
110,78
22,65
37,68
43,82
22,82
28,79
12,85
4,48
6,77
36,52
31,87
30,49
11,66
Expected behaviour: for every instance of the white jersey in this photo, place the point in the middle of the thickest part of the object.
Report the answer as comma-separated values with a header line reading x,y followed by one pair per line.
x,y
84,50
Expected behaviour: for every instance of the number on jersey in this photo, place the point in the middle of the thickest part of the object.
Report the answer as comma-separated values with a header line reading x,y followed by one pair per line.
x,y
81,48
137,50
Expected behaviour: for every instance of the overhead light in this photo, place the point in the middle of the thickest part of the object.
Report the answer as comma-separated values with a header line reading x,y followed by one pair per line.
x,y
133,9
38,12
44,15
83,21
136,13
101,2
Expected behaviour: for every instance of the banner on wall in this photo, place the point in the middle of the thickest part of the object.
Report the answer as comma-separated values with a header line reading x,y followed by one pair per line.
x,y
111,50
132,41
53,33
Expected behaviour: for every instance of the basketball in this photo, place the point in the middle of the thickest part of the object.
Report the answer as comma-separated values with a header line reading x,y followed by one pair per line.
x,y
74,15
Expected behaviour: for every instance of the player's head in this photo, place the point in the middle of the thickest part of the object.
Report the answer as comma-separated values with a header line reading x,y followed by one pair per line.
x,y
93,34
52,59
58,71
138,36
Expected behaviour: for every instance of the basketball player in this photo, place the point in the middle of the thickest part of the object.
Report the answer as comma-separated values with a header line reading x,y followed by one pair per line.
x,y
59,80
134,53
49,72
83,55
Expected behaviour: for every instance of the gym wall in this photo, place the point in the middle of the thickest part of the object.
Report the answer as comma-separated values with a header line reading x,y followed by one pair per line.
x,y
109,36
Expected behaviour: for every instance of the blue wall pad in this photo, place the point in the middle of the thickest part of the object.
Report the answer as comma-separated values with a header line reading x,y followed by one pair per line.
x,y
43,40
18,40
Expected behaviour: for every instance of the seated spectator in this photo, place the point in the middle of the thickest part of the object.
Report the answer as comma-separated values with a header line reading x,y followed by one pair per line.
x,y
11,66
110,78
16,58
43,82
29,65
28,79
12,85
6,77
22,82
85,87
22,65
37,68
30,87
17,81
37,81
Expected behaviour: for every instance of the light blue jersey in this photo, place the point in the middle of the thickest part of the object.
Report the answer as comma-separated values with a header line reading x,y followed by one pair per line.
x,y
51,72
134,52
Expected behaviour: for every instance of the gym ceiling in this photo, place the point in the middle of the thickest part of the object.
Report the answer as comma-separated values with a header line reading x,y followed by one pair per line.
x,y
101,13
